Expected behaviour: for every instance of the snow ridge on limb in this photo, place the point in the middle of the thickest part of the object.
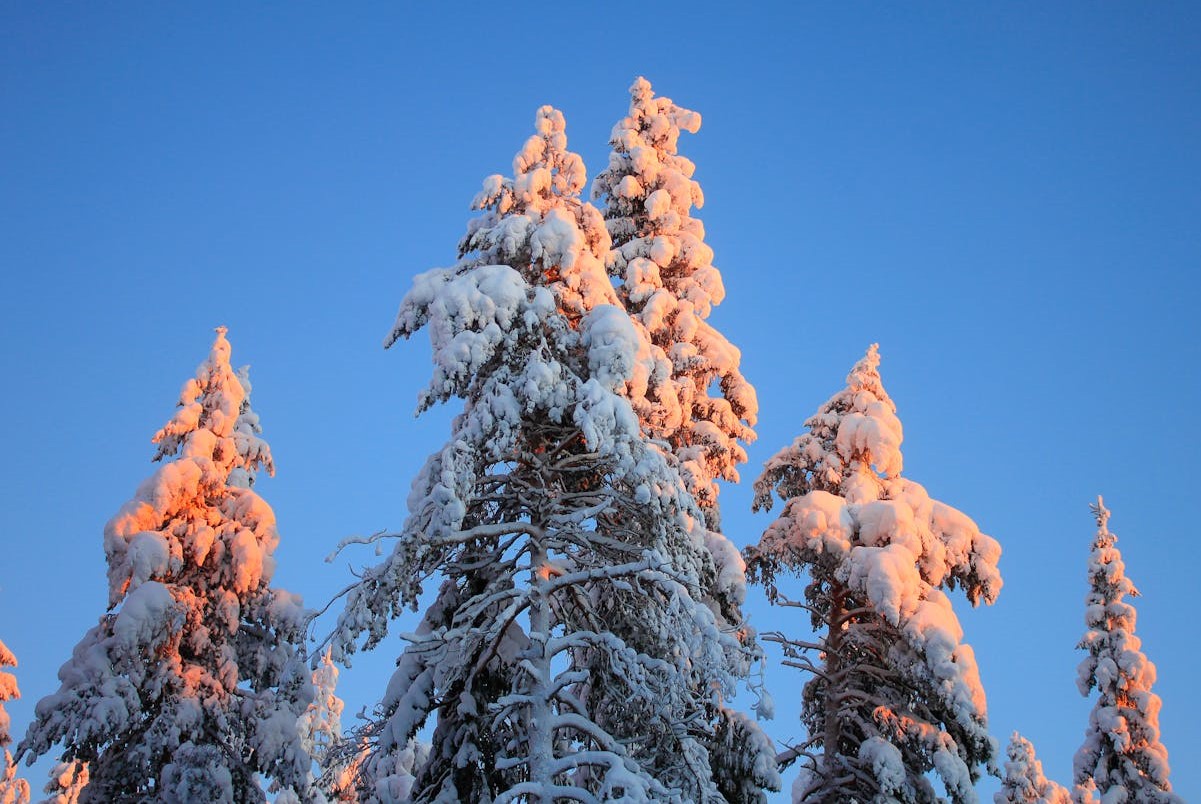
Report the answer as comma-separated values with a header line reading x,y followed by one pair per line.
x,y
12,789
1024,782
191,685
546,500
895,693
1122,758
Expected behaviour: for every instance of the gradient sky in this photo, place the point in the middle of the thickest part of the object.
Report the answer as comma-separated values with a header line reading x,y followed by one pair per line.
x,y
1007,197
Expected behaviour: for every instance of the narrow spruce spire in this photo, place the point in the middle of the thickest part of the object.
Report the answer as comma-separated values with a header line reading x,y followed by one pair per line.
x,y
1122,758
893,692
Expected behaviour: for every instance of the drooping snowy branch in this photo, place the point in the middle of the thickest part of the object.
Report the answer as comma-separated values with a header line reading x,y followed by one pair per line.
x,y
688,390
1122,758
897,693
67,782
190,686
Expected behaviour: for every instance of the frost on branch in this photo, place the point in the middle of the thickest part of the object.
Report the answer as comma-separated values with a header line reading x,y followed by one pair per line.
x,y
1024,782
189,687
894,691
545,502
1122,758
12,789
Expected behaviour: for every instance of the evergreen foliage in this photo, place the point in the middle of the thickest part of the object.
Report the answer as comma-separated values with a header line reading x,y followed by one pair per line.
x,y
12,789
546,500
1024,782
687,389
190,687
894,692
67,783
1122,758
321,724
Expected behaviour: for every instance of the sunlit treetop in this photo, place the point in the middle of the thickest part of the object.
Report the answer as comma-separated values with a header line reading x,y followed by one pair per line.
x,y
1122,757
191,686
696,397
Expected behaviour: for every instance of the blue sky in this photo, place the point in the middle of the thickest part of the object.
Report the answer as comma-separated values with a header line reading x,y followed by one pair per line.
x,y
1006,197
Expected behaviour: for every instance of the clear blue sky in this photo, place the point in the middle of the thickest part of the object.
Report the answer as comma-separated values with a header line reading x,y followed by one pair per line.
x,y
1006,196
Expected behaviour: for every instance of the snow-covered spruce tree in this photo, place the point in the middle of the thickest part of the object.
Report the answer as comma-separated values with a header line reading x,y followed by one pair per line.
x,y
669,285
321,724
894,692
546,499
1122,759
688,391
67,783
1024,782
12,789
190,686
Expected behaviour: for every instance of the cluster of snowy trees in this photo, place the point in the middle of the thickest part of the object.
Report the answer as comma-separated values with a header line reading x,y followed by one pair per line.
x,y
586,636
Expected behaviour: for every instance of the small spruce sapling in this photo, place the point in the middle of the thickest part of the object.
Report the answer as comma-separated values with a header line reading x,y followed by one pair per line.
x,y
321,724
1024,781
1122,758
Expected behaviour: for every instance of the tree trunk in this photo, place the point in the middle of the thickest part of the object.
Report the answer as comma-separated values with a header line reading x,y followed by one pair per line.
x,y
832,736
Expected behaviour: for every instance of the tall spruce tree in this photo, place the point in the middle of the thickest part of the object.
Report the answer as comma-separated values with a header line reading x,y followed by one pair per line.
x,y
1024,781
12,789
687,390
189,688
894,692
1122,758
695,397
546,500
